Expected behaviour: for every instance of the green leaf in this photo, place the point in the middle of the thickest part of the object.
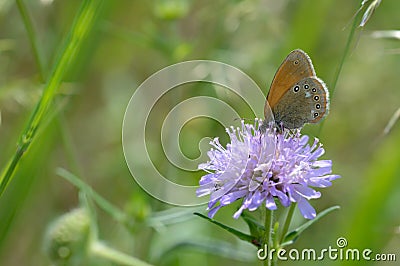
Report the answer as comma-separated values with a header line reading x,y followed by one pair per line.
x,y
292,236
256,229
240,235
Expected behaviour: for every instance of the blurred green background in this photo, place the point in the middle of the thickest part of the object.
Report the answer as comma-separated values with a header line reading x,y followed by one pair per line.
x,y
131,40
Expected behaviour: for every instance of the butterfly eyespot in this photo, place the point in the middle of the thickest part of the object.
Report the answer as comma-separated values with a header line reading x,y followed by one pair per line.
x,y
316,98
318,106
296,88
306,86
316,115
314,90
296,62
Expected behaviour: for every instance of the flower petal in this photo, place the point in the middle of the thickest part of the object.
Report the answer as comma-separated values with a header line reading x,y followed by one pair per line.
x,y
213,211
306,209
262,167
232,197
307,192
256,200
270,203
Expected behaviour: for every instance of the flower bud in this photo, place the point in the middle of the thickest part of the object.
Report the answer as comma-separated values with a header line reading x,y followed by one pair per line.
x,y
67,238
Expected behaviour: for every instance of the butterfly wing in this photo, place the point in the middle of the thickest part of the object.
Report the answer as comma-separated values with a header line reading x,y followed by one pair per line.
x,y
323,92
296,66
307,101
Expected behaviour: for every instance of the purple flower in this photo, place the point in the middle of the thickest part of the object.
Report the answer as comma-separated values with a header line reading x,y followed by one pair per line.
x,y
260,167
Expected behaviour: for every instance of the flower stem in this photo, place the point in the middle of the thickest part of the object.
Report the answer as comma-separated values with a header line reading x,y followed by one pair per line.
x,y
288,220
269,218
276,243
103,251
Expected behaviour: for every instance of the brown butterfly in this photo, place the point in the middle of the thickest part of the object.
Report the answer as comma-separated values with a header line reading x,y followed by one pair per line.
x,y
297,96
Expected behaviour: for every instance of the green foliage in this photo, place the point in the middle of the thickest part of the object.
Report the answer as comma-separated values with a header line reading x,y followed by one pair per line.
x,y
81,27
249,238
68,69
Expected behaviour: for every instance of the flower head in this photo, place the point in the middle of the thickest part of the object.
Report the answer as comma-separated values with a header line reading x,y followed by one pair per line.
x,y
260,166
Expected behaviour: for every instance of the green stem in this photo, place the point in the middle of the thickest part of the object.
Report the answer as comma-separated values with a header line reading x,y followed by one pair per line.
x,y
115,256
80,29
32,37
105,205
288,220
276,244
341,62
344,56
269,218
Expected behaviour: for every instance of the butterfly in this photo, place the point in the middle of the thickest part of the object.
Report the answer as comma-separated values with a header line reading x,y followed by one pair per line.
x,y
296,96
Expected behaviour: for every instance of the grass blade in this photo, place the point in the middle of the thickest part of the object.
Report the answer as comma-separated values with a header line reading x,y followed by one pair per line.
x,y
78,33
341,62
